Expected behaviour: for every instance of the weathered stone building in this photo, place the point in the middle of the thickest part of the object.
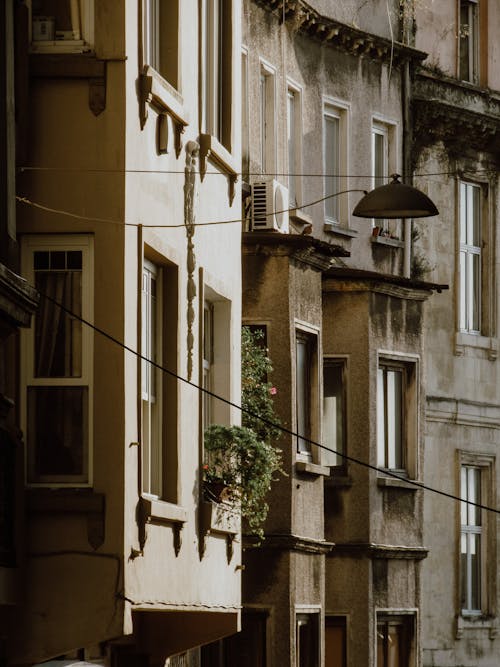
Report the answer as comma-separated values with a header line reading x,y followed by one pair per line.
x,y
456,130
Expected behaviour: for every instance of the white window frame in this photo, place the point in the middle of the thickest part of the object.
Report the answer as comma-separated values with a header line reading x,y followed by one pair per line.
x,y
267,118
294,139
337,212
470,286
151,381
82,40
405,618
67,242
245,113
388,130
471,37
303,616
409,367
308,452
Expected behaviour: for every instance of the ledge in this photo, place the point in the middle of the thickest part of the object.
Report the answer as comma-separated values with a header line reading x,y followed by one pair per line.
x,y
463,340
291,543
65,501
392,482
480,621
161,511
387,241
212,149
338,230
379,551
220,518
313,469
298,216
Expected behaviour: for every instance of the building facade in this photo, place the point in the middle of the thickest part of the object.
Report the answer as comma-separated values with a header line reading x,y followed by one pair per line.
x,y
133,144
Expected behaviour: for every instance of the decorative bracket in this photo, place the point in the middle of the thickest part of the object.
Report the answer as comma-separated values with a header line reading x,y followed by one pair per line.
x,y
211,148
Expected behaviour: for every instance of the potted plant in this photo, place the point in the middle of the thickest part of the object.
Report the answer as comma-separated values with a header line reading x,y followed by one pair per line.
x,y
241,462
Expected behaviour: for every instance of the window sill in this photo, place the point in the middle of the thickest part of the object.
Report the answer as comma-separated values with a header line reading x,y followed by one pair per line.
x,y
314,469
220,518
337,230
298,216
211,148
387,241
464,339
392,482
165,100
480,622
161,511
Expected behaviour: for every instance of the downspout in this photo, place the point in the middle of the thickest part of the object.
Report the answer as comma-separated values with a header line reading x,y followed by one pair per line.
x,y
407,172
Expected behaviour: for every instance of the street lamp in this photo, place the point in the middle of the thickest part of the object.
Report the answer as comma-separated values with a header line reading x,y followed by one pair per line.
x,y
395,200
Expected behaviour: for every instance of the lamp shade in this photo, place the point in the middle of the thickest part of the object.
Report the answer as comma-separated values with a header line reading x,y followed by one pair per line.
x,y
395,200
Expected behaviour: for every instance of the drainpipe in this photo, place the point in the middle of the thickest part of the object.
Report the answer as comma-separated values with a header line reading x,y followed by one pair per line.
x,y
407,175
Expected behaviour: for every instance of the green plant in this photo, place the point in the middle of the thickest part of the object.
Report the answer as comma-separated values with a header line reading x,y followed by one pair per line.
x,y
243,458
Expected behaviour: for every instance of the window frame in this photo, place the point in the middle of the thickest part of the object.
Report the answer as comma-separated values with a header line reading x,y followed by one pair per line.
x,y
152,348
485,464
217,70
310,337
471,38
294,138
467,285
311,618
409,367
340,465
340,111
86,28
30,244
267,118
407,621
161,39
386,128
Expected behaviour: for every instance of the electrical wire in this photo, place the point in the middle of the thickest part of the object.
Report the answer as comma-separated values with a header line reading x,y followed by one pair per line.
x,y
102,170
29,202
264,420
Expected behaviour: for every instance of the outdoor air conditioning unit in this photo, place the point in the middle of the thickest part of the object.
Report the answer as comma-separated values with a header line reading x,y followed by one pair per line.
x,y
270,206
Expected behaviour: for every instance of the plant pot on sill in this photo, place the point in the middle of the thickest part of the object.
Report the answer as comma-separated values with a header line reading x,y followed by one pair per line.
x,y
216,492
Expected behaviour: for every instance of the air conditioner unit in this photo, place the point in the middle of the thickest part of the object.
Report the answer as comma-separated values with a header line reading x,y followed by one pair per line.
x,y
270,206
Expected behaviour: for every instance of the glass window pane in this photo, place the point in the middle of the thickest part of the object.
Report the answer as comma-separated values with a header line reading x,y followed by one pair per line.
x,y
394,646
475,557
302,392
58,335
463,291
394,390
463,213
463,571
333,412
465,28
291,148
475,280
475,214
332,166
381,456
57,433
379,161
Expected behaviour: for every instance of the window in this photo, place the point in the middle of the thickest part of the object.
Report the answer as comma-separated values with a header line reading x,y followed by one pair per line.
x,y
58,361
335,162
217,45
159,389
384,163
334,412
394,640
151,349
208,360
335,641
471,541
307,640
470,258
161,38
245,112
469,40
397,415
305,388
267,119
294,138
63,26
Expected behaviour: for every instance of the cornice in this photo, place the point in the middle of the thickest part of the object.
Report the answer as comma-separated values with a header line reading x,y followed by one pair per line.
x,y
378,551
458,114
342,36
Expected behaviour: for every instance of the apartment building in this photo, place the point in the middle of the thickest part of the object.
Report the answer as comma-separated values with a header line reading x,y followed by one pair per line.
x,y
326,110
128,115
456,109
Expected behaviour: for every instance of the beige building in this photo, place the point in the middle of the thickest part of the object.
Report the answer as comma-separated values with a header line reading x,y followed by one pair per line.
x,y
129,112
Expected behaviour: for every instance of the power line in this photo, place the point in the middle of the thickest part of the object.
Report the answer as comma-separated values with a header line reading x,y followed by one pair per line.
x,y
48,209
102,170
264,420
